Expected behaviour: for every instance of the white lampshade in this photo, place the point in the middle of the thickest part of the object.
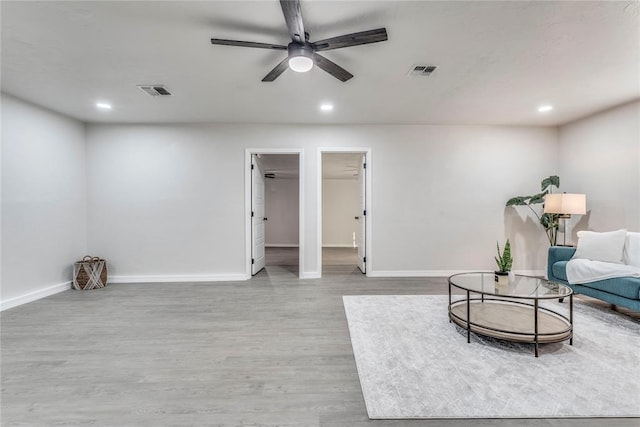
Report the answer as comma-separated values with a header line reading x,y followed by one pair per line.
x,y
300,64
565,204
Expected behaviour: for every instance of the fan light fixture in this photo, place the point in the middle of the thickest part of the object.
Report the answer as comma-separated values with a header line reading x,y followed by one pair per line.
x,y
300,64
300,57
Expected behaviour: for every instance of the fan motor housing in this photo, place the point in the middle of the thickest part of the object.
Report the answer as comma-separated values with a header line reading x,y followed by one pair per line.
x,y
296,49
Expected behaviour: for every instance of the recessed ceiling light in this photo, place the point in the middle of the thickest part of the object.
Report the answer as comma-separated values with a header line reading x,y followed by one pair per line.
x,y
545,108
326,107
103,105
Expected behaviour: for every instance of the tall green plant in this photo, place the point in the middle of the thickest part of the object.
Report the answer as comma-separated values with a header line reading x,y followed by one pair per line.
x,y
504,259
548,221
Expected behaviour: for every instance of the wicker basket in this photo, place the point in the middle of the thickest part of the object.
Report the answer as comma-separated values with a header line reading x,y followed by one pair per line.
x,y
90,273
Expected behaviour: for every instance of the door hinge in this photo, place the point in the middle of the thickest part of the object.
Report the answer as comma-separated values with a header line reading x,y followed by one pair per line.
x,y
364,259
364,165
252,166
251,214
253,261
364,213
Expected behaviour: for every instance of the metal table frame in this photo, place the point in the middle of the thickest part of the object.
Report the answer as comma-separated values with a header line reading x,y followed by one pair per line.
x,y
507,298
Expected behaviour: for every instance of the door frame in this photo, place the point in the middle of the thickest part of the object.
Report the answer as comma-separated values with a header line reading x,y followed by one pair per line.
x,y
247,202
368,243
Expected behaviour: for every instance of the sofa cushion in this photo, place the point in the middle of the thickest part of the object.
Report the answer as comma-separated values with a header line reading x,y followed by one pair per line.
x,y
632,249
559,270
628,287
605,247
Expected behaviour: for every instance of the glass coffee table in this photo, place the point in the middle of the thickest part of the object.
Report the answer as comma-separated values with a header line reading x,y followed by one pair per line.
x,y
512,311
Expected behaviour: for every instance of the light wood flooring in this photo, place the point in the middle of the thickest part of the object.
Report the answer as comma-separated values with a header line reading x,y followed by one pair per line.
x,y
271,351
277,256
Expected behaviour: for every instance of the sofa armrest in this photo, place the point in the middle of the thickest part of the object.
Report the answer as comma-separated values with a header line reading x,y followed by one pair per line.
x,y
558,253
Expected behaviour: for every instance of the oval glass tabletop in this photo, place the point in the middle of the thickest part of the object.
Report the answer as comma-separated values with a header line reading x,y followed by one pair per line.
x,y
518,286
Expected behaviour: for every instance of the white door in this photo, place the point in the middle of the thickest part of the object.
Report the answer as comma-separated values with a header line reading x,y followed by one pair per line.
x,y
257,215
361,218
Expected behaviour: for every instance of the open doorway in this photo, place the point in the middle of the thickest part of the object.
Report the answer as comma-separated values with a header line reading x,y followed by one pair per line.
x,y
282,201
274,200
344,210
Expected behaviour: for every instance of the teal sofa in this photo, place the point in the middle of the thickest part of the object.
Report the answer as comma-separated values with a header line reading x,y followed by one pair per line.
x,y
623,291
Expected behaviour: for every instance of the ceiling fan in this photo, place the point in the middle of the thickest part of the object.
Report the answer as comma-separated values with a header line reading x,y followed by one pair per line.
x,y
302,54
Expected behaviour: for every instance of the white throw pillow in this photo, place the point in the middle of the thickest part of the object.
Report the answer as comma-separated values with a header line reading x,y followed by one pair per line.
x,y
632,249
605,247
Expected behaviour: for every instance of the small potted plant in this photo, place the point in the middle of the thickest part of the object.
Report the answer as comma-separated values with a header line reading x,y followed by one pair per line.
x,y
504,262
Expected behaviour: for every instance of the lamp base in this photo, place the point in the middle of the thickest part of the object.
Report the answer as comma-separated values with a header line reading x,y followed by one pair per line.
x,y
564,218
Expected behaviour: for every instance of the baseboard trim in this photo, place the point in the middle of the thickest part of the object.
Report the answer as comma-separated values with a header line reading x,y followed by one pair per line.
x,y
339,246
413,273
282,245
35,295
540,273
179,278
440,273
310,275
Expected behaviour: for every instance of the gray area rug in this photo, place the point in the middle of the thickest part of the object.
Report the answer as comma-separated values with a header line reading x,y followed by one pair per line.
x,y
413,363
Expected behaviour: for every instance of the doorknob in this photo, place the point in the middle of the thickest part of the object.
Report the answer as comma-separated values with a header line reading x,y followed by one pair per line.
x,y
265,218
357,217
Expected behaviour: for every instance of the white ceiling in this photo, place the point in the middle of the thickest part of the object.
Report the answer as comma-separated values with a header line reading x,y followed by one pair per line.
x,y
341,165
497,61
282,165
334,165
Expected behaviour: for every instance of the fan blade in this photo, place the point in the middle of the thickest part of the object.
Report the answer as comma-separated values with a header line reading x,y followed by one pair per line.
x,y
248,44
293,17
334,69
277,70
353,39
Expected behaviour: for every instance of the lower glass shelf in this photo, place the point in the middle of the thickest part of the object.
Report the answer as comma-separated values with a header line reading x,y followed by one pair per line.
x,y
512,321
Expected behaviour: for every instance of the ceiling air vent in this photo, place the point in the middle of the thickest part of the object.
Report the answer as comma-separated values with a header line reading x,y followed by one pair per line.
x,y
422,70
154,90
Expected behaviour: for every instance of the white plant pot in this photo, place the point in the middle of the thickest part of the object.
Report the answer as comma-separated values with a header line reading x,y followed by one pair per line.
x,y
501,278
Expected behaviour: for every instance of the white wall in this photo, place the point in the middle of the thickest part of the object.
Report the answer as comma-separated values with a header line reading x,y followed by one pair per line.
x,y
166,202
340,201
441,194
281,207
169,200
43,201
600,157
